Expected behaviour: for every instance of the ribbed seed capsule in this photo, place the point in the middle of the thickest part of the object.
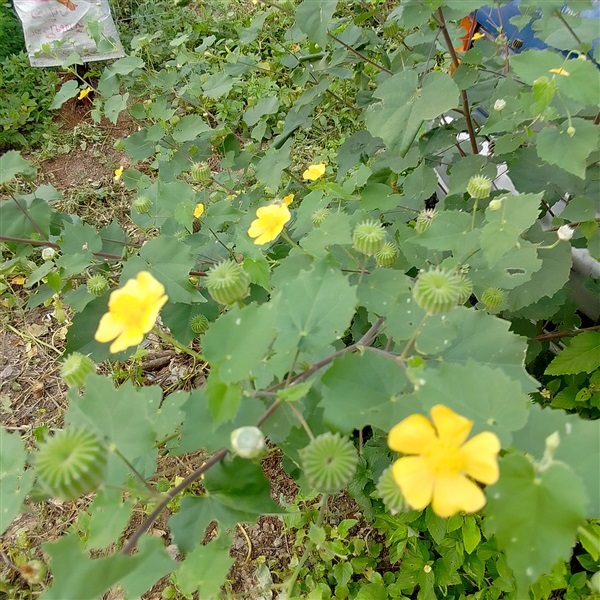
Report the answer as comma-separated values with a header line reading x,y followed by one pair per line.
x,y
368,237
201,172
437,291
466,289
319,216
227,282
479,187
97,285
199,324
142,204
389,492
387,256
76,368
425,219
493,298
329,462
71,463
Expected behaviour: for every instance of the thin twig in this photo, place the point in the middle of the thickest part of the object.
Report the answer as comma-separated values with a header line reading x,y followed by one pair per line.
x,y
562,334
463,94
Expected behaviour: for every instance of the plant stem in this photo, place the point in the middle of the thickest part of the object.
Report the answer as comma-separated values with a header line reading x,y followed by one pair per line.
x,y
412,339
171,340
114,449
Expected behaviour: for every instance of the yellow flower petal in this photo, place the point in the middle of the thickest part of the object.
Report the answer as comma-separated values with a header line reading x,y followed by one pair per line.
x,y
414,480
480,456
84,93
269,222
477,36
199,210
413,435
118,173
560,71
452,428
314,172
132,312
287,200
455,494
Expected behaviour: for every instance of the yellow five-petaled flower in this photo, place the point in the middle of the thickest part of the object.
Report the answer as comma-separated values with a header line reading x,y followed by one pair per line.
x,y
118,173
84,93
443,465
199,210
314,172
269,222
132,312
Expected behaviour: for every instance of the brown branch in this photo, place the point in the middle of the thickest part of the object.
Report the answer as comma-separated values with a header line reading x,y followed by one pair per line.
x,y
463,93
562,334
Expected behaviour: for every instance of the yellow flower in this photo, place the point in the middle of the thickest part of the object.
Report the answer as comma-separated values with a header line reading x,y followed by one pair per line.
x,y
84,93
314,172
287,200
560,71
477,36
199,210
437,474
269,222
132,312
118,173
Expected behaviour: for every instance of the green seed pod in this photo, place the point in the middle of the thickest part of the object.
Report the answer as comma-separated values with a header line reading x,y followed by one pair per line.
x,y
368,237
199,324
425,219
319,216
466,289
391,28
437,291
479,187
71,463
493,298
201,172
227,282
142,204
97,285
248,442
329,462
76,368
389,492
387,256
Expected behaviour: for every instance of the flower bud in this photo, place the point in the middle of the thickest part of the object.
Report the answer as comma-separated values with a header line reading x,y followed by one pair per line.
x,y
75,368
71,463
570,131
387,256
227,282
97,285
142,204
437,291
199,324
495,204
48,253
565,233
248,442
500,105
368,237
479,187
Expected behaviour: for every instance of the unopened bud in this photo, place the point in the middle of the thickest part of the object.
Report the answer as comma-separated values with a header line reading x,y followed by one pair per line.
x,y
248,442
500,105
565,233
48,253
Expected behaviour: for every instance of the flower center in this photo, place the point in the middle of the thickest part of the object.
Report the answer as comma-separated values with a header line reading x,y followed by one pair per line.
x,y
444,460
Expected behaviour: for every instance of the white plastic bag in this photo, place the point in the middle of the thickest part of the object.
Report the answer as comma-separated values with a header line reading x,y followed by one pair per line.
x,y
54,29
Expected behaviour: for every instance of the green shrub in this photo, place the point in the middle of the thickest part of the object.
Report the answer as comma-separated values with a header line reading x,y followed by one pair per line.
x,y
11,34
24,104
